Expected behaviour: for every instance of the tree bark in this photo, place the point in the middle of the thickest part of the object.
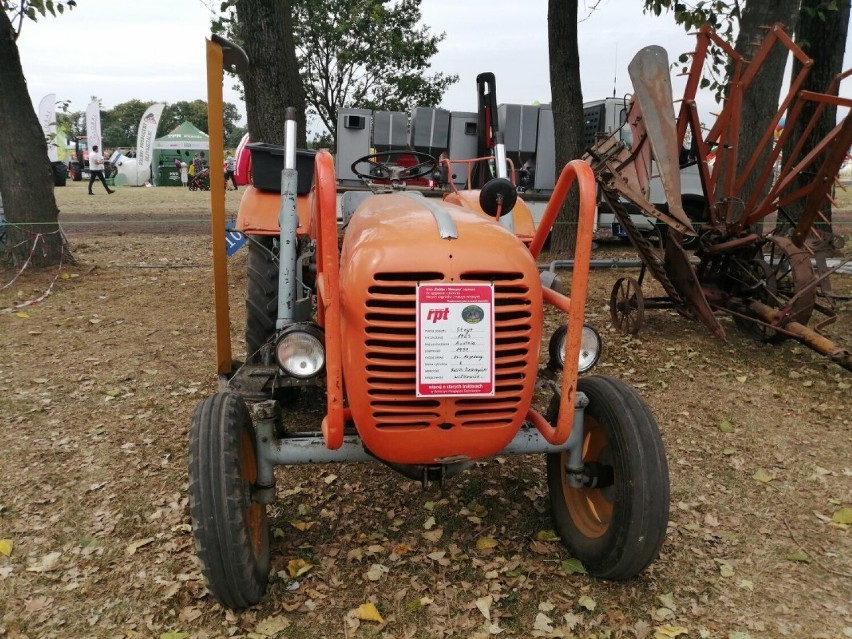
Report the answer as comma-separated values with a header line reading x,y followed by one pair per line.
x,y
26,175
760,102
272,82
567,98
822,36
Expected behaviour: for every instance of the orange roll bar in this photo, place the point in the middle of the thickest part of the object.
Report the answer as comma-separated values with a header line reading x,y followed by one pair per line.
x,y
585,177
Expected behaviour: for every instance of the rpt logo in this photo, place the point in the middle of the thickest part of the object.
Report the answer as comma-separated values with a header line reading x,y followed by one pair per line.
x,y
438,314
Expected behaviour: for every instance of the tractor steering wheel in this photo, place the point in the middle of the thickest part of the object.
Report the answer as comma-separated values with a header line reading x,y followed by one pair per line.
x,y
381,167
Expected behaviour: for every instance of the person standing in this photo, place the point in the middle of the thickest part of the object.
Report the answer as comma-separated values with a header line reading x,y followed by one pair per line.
x,y
184,174
230,171
96,169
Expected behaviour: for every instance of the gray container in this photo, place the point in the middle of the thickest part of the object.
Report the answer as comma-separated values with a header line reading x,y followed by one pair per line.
x,y
390,130
430,130
519,123
545,151
353,140
464,135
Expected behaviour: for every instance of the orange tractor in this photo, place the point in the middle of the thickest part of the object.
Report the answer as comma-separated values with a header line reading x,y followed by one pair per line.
x,y
421,320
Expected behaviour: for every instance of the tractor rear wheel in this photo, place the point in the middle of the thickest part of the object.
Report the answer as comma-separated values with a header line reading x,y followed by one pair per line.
x,y
231,531
261,294
616,528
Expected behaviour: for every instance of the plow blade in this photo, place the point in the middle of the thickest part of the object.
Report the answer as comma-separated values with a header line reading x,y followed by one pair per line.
x,y
649,72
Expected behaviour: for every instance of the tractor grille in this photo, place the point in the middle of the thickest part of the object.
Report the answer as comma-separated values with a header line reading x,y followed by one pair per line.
x,y
391,351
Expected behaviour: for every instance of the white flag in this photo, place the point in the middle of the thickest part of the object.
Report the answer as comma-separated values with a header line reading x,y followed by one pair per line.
x,y
93,125
47,118
146,134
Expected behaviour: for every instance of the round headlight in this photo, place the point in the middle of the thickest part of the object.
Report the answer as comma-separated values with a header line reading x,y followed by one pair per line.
x,y
590,349
300,352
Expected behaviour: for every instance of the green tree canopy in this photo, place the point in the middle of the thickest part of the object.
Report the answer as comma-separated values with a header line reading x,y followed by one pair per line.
x,y
371,54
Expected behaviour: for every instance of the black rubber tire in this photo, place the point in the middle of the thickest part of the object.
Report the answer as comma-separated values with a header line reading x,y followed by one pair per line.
x,y
695,211
620,430
231,532
60,175
261,294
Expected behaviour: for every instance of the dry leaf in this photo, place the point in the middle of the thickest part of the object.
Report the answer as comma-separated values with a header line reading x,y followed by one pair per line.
x,y
486,543
298,524
725,568
762,476
47,563
669,632
136,545
543,623
429,524
6,546
369,612
272,626
842,516
588,603
483,604
799,555
433,535
376,572
298,567
329,479
546,535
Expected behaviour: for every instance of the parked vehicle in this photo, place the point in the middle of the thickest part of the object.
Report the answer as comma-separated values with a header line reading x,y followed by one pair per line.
x,y
423,332
78,157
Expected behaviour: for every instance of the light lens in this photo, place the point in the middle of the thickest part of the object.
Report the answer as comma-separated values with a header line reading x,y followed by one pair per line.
x,y
590,349
300,354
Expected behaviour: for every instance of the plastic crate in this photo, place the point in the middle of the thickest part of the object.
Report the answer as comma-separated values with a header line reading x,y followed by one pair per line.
x,y
267,162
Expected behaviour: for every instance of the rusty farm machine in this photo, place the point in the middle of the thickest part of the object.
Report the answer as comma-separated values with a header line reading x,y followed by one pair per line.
x,y
764,280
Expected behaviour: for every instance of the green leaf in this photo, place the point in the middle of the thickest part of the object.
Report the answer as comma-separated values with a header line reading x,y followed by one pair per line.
x,y
174,634
799,555
573,566
726,426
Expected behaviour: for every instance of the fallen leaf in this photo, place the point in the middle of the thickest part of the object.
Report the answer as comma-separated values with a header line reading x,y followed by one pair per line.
x,y
546,535
271,626
588,603
47,563
572,566
726,426
136,545
543,623
429,505
742,378
762,476
429,524
842,516
298,567
433,535
376,572
174,634
545,606
486,543
329,479
22,315
667,599
298,524
668,632
483,604
746,584
369,612
725,568
6,546
799,555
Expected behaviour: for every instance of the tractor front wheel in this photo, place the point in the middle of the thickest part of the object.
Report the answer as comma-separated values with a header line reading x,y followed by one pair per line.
x,y
616,527
231,531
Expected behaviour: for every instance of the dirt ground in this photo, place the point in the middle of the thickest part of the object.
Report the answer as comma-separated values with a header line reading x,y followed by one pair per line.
x,y
97,387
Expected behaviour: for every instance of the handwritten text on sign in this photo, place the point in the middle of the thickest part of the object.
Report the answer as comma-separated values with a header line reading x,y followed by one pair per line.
x,y
455,340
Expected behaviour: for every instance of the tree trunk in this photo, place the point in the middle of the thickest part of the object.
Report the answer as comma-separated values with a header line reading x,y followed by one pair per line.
x,y
760,102
822,36
272,82
26,175
567,97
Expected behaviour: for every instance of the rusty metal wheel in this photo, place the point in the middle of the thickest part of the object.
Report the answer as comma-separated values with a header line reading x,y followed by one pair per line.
x,y
617,524
785,281
627,306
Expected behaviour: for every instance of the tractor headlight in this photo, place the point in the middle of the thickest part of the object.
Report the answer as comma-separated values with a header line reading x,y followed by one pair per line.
x,y
300,351
590,349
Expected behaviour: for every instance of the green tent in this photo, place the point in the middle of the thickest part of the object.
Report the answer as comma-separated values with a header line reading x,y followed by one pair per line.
x,y
183,142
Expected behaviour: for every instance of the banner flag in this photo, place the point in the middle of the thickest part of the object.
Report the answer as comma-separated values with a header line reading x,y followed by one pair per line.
x,y
93,126
47,118
146,135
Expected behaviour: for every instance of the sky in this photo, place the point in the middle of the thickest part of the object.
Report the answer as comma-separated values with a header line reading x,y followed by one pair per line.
x,y
120,50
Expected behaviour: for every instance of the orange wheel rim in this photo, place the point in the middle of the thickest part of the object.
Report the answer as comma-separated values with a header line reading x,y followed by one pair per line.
x,y
589,508
253,511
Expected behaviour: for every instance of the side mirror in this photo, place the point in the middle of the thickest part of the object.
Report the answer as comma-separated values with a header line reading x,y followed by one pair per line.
x,y
498,194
